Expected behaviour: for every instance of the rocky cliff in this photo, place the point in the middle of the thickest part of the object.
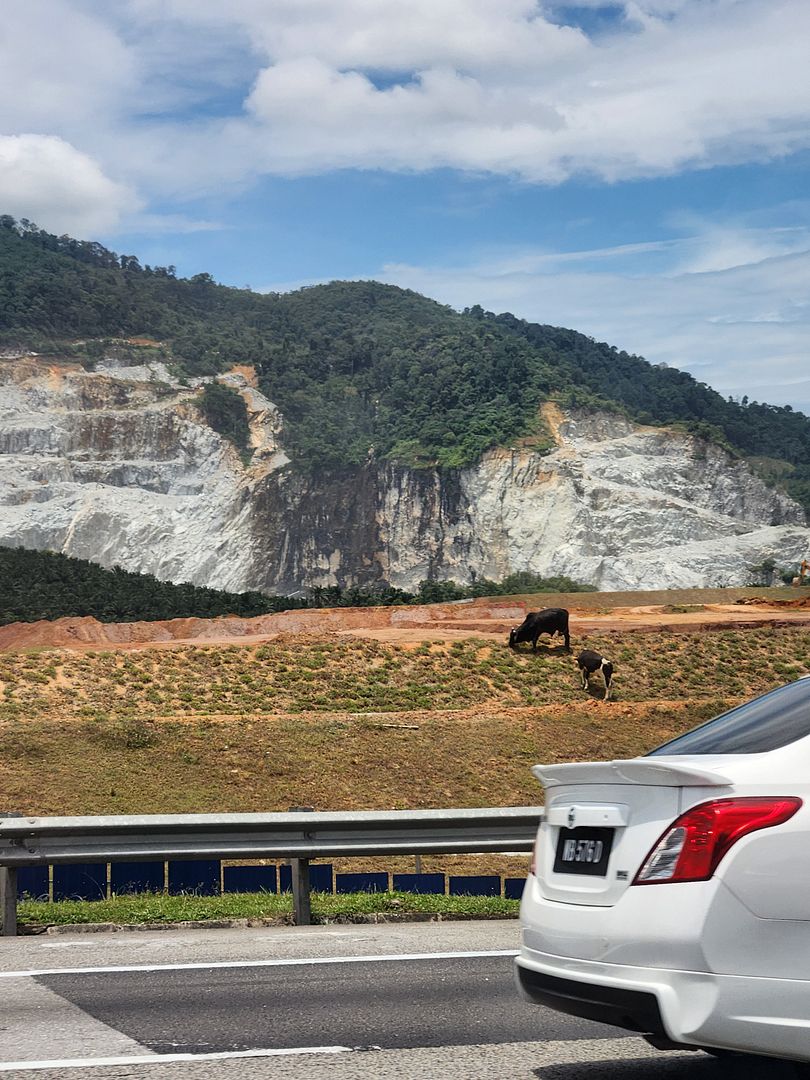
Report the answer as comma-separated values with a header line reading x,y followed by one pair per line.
x,y
119,466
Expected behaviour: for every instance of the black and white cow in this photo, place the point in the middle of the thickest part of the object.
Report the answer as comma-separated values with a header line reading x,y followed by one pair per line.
x,y
551,621
589,662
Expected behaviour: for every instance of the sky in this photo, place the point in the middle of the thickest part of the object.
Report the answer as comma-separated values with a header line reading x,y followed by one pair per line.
x,y
637,171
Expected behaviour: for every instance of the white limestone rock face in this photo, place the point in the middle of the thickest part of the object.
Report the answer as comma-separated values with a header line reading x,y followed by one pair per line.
x,y
119,466
618,505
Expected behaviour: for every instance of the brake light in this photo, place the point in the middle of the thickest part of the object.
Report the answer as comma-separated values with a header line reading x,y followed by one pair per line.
x,y
693,845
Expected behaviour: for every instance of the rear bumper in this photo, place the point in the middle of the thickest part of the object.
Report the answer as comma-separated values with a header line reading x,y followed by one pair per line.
x,y
636,1010
689,1008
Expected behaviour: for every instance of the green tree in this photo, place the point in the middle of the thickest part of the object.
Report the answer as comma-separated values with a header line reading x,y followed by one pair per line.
x,y
225,410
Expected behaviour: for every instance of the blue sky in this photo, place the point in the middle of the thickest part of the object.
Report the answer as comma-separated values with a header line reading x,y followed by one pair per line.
x,y
636,171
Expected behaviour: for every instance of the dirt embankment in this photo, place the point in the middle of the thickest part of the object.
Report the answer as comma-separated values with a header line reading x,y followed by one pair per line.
x,y
483,617
90,632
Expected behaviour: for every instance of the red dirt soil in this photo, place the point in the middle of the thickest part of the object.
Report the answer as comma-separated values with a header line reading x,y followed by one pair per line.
x,y
485,617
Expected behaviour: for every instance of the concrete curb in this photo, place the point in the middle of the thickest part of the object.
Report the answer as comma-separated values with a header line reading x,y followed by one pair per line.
x,y
246,924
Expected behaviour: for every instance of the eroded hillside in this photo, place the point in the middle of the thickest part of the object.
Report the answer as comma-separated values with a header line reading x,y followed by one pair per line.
x,y
120,466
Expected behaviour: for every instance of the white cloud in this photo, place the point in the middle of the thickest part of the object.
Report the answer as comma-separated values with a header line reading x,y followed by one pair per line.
x,y
317,113
182,98
62,70
742,330
383,35
721,248
498,88
49,181
469,84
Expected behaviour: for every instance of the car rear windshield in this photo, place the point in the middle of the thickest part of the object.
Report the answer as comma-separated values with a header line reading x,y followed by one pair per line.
x,y
766,723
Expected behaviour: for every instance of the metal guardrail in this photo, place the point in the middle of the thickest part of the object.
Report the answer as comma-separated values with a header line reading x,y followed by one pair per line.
x,y
299,837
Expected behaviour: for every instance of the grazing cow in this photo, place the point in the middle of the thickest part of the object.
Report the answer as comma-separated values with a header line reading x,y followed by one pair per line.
x,y
589,662
551,621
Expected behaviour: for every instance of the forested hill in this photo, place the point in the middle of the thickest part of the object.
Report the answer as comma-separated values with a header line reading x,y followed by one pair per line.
x,y
357,367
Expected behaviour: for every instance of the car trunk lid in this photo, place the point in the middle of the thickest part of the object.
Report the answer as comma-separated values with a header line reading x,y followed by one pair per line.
x,y
601,820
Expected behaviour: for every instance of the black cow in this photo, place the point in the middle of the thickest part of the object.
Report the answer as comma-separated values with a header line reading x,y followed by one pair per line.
x,y
589,662
551,621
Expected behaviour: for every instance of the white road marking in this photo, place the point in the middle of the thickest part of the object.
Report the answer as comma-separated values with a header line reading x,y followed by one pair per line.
x,y
210,965
62,944
37,1022
584,1058
159,1059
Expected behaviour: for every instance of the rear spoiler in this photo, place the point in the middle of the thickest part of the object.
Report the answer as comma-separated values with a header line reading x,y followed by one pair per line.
x,y
653,773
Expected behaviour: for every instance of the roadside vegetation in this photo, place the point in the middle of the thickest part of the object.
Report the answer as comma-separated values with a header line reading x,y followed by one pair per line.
x,y
345,723
335,761
159,908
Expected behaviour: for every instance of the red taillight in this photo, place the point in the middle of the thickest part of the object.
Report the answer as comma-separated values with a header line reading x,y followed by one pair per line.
x,y
694,844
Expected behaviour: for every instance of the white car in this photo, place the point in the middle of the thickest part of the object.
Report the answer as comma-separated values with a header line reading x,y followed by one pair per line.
x,y
670,894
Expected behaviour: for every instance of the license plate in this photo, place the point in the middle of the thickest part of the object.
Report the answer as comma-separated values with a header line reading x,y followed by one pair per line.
x,y
583,851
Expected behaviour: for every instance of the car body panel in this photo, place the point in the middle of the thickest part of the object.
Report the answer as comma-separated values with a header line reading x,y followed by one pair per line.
x,y
770,874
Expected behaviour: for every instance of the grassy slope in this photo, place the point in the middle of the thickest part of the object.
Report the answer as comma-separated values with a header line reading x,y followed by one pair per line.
x,y
342,724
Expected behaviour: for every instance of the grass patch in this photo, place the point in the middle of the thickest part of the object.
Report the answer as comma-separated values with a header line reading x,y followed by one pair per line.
x,y
344,761
159,908
349,724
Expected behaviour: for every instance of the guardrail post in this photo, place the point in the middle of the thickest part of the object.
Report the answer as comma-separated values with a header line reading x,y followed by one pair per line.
x,y
302,903
299,871
8,891
8,901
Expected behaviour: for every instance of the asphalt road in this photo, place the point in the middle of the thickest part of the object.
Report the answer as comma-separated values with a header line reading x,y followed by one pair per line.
x,y
392,1001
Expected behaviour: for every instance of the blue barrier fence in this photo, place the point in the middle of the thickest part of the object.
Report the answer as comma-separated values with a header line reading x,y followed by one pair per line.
x,y
208,877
